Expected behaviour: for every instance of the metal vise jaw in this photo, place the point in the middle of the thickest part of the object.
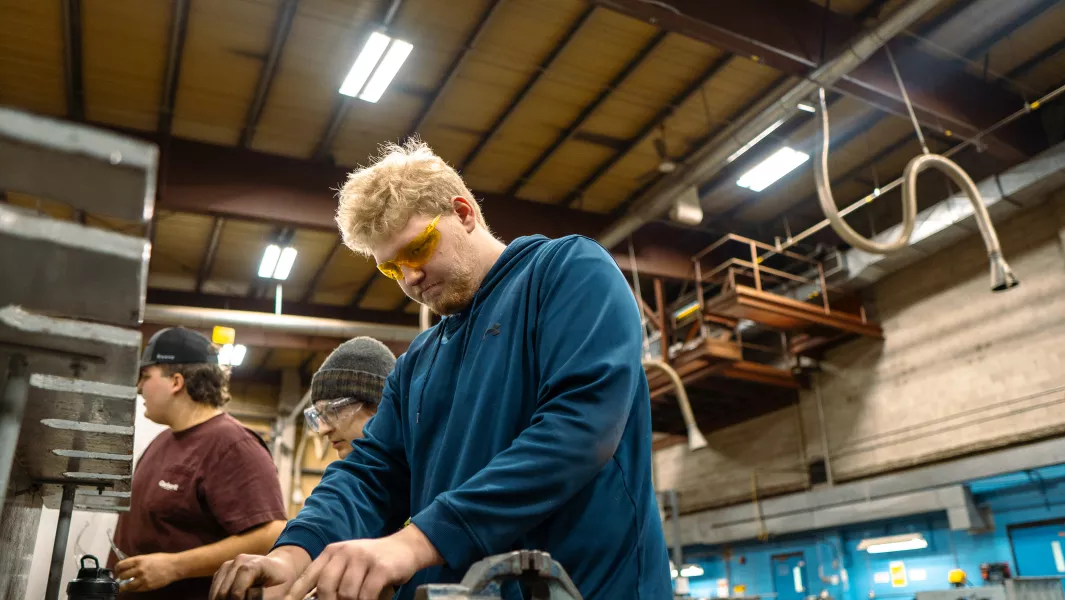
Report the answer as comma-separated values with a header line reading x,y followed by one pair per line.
x,y
546,578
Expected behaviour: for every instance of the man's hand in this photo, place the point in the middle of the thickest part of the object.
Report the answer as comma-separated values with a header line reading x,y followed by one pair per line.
x,y
362,569
240,577
149,572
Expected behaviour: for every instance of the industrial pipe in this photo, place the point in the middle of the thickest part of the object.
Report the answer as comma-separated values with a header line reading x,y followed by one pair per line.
x,y
696,440
189,316
1002,277
713,156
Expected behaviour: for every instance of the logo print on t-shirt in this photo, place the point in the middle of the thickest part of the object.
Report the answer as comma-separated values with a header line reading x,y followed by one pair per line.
x,y
170,487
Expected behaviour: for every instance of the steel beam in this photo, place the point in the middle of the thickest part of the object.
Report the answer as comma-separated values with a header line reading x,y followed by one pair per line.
x,y
471,41
72,63
543,67
363,289
686,94
567,134
243,184
786,36
343,313
955,500
282,26
179,23
209,254
312,285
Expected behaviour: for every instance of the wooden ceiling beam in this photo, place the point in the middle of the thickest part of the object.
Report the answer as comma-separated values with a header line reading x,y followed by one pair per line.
x,y
567,134
543,67
787,36
363,290
648,128
285,15
73,71
312,285
471,41
243,184
210,253
179,25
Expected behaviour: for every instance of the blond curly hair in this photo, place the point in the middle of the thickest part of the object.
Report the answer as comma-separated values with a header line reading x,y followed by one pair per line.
x,y
376,201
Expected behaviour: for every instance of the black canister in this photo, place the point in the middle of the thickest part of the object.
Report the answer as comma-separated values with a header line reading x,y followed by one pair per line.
x,y
93,583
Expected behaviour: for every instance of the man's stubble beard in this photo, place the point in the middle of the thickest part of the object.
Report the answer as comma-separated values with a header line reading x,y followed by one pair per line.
x,y
459,285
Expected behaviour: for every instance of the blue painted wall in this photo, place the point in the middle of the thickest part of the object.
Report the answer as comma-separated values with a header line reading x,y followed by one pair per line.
x,y
1013,499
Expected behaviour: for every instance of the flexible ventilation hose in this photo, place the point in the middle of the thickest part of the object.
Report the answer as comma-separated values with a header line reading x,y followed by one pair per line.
x,y
696,440
1002,277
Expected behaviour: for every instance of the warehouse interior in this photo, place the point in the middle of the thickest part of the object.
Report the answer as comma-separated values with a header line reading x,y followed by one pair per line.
x,y
813,398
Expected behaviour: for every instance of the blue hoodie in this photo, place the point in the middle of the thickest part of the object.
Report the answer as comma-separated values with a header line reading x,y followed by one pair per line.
x,y
523,422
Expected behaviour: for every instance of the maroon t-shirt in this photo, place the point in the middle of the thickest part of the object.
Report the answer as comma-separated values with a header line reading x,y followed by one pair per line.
x,y
196,487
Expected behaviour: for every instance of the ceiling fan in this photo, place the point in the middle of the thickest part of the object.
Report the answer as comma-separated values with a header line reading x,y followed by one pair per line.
x,y
666,164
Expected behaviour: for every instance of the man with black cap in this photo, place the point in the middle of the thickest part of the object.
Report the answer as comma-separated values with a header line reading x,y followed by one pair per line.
x,y
346,391
205,490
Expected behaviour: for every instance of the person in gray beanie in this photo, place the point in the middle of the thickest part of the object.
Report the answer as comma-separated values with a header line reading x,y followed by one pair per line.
x,y
346,390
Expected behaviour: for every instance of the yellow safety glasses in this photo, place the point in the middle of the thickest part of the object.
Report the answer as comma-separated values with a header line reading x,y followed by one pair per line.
x,y
415,254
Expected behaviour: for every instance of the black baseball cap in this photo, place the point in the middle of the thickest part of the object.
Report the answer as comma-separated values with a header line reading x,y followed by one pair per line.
x,y
178,346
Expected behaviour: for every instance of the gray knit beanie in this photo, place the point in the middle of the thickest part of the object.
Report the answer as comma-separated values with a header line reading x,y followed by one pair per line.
x,y
356,369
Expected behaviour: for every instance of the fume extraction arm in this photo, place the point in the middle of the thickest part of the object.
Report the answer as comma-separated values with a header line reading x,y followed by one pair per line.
x,y
1002,277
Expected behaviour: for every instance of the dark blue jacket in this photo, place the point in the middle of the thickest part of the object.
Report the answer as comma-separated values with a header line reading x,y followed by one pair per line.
x,y
522,422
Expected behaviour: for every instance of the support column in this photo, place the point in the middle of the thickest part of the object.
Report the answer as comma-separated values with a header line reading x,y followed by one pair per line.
x,y
285,438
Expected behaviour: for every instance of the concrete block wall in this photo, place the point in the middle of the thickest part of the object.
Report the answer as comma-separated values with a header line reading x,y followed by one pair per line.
x,y
961,370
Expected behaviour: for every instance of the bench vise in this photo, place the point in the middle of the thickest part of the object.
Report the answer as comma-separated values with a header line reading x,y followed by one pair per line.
x,y
545,578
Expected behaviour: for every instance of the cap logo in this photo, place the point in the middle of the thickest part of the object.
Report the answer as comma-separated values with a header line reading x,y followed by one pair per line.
x,y
164,356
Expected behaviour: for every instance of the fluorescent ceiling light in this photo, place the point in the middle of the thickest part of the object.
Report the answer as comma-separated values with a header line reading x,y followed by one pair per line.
x,y
284,264
364,64
370,75
691,571
269,262
765,173
277,263
806,107
397,54
758,138
232,355
894,543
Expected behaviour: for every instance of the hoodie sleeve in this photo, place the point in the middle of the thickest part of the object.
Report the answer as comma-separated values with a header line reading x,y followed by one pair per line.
x,y
366,495
587,346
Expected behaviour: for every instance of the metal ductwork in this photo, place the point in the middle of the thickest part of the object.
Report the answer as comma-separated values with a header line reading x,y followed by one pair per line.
x,y
947,222
189,316
781,104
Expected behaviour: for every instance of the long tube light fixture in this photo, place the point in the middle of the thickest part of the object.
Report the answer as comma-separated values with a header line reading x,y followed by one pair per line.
x,y
375,67
893,543
232,355
767,172
277,263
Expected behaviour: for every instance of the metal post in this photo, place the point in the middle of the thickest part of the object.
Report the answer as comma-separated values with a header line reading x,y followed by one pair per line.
x,y
824,287
704,331
816,379
754,265
277,300
59,547
678,545
12,405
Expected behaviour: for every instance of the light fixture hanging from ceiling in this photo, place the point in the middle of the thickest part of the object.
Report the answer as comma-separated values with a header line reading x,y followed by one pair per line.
x,y
375,67
893,543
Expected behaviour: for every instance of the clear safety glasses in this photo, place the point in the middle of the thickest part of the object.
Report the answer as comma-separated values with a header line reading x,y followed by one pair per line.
x,y
329,412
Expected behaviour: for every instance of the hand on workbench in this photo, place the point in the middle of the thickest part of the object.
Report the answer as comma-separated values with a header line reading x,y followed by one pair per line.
x,y
362,569
248,573
148,571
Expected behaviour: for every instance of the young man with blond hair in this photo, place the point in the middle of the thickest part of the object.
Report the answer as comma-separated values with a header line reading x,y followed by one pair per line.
x,y
521,420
